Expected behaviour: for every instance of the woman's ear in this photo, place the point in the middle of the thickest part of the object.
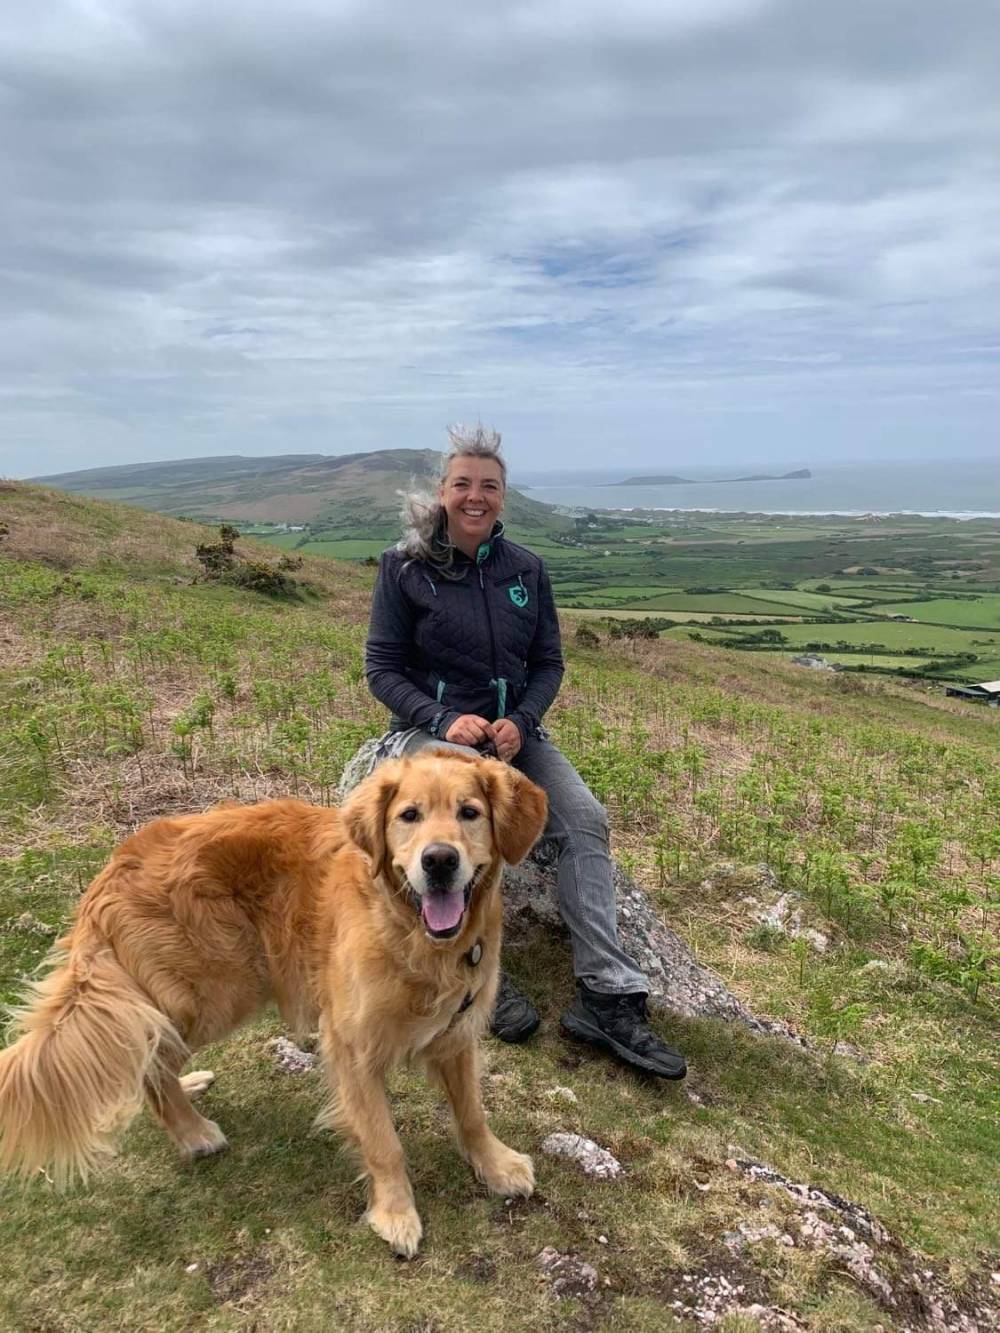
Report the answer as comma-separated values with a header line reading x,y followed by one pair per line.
x,y
365,809
518,807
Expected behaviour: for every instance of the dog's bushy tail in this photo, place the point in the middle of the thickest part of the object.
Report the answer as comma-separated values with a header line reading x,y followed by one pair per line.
x,y
90,1037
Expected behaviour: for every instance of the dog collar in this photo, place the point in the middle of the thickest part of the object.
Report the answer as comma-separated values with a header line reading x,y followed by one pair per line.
x,y
474,957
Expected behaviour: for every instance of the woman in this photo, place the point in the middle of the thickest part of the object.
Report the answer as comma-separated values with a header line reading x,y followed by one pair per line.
x,y
463,648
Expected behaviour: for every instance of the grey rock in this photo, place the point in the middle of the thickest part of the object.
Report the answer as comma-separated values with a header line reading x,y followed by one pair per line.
x,y
855,1242
785,915
592,1159
568,1274
291,1058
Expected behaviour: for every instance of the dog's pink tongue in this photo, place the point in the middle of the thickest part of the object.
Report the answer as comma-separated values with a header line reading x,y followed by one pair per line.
x,y
442,911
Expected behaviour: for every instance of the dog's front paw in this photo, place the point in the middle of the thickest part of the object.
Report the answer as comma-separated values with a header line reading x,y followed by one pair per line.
x,y
205,1141
195,1083
401,1228
505,1171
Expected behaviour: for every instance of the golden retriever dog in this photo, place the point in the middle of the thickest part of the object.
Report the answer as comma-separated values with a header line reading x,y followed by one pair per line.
x,y
380,923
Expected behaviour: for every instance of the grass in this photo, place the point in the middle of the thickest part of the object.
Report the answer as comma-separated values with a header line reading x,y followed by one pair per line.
x,y
983,613
128,690
890,634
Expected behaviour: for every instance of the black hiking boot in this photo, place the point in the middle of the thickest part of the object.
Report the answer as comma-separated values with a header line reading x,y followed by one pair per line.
x,y
620,1023
515,1018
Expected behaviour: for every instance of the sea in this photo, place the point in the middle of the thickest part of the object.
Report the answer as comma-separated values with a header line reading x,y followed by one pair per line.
x,y
944,488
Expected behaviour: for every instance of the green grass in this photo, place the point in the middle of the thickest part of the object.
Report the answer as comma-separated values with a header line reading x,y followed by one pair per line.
x,y
718,604
891,662
982,613
130,691
811,601
285,541
347,549
890,634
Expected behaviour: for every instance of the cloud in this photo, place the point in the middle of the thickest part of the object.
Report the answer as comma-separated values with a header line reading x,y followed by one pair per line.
x,y
754,227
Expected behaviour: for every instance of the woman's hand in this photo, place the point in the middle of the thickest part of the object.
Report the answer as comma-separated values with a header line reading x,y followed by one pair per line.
x,y
469,729
507,738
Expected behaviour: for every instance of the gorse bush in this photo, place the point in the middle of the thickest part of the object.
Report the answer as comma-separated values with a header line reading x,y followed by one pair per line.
x,y
222,564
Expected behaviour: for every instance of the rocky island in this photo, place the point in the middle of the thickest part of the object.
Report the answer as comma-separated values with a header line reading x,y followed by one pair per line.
x,y
801,474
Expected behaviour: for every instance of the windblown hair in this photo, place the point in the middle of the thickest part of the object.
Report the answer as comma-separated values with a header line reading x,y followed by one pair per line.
x,y
425,533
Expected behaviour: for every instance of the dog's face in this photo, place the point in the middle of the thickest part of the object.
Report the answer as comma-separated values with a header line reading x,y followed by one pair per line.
x,y
439,824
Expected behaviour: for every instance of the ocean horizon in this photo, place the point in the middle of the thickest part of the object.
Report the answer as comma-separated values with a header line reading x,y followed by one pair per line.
x,y
960,489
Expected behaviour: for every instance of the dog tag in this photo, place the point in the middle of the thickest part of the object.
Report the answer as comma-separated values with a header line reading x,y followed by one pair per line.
x,y
475,953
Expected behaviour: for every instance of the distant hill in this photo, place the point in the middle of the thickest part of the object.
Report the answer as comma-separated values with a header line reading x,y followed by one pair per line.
x,y
343,491
802,474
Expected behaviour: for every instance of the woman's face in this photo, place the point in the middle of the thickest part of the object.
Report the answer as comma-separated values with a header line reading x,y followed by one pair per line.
x,y
472,496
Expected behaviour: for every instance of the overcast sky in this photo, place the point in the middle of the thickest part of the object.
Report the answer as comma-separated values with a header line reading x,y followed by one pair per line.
x,y
619,230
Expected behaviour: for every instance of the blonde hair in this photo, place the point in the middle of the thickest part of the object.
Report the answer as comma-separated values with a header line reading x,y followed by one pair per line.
x,y
425,533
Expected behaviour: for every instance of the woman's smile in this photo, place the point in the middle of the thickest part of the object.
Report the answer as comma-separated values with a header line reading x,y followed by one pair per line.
x,y
472,495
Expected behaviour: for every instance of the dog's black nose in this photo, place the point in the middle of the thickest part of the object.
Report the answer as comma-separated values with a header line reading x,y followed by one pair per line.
x,y
439,860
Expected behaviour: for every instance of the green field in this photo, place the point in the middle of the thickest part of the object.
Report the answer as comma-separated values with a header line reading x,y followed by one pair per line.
x,y
891,634
888,661
983,613
816,602
759,570
346,548
719,604
285,541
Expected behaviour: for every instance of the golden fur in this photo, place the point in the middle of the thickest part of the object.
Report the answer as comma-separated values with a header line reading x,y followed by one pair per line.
x,y
199,921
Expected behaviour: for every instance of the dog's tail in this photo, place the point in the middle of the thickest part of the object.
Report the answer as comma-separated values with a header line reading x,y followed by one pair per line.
x,y
90,1038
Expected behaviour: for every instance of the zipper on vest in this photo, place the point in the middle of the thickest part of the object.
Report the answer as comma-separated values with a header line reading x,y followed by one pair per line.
x,y
493,639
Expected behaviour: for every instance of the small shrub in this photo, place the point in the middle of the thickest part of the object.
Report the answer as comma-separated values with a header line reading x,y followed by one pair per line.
x,y
222,564
218,557
259,576
586,637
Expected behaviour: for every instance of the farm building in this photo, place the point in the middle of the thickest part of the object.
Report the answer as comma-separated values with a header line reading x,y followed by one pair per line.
x,y
986,693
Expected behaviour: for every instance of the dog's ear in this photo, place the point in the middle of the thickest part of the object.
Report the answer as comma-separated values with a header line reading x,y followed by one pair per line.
x,y
364,812
519,808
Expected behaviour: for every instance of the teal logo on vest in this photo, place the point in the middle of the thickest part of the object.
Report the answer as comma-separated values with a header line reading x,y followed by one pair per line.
x,y
518,593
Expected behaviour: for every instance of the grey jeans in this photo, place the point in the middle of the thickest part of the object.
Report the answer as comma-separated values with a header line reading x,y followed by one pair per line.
x,y
578,824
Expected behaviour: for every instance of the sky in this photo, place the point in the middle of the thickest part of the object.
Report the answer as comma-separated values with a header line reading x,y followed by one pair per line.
x,y
643,232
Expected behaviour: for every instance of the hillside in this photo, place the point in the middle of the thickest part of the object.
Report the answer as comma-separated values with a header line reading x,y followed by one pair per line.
x,y
129,688
345,491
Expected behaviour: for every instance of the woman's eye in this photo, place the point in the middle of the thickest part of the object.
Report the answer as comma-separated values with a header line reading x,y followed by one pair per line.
x,y
411,815
468,812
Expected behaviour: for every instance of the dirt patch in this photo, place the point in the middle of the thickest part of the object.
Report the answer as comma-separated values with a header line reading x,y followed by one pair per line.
x,y
236,1281
713,1286
477,1268
513,1212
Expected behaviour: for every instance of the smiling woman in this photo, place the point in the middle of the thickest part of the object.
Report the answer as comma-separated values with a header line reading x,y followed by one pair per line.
x,y
464,650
